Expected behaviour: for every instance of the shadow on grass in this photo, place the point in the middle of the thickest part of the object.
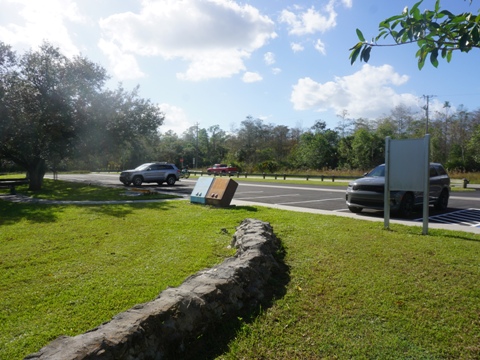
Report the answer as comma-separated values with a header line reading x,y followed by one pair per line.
x,y
12,212
217,337
122,210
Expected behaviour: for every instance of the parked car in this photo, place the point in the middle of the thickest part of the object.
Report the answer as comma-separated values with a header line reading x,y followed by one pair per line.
x,y
222,169
158,172
368,192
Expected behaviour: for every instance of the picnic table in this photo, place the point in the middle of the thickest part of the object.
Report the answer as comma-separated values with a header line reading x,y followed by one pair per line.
x,y
10,183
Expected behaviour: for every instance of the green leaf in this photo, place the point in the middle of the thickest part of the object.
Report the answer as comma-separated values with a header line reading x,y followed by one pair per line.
x,y
463,43
354,54
414,11
449,55
444,52
434,57
365,56
421,54
447,13
393,18
437,6
416,14
360,36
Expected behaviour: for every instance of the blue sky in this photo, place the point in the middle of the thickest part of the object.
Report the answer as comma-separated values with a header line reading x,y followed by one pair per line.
x,y
215,62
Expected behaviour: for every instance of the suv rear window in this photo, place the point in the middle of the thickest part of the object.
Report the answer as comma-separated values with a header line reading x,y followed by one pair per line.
x,y
440,170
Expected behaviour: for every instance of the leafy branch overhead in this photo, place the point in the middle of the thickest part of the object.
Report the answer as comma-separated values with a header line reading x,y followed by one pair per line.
x,y
437,33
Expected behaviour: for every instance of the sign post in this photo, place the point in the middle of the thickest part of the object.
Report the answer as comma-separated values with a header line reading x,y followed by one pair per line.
x,y
407,168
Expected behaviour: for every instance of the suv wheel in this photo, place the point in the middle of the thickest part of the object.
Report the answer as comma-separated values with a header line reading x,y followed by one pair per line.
x,y
137,180
407,205
171,180
442,201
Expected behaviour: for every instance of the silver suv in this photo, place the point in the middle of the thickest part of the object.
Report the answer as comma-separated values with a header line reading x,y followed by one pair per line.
x,y
158,172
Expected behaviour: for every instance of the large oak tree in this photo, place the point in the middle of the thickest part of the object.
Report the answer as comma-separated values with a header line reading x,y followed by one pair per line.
x,y
53,108
42,97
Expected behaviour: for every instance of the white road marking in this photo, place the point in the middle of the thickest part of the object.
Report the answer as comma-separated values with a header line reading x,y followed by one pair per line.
x,y
309,201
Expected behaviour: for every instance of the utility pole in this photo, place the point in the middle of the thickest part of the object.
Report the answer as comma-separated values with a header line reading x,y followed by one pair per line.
x,y
196,144
426,110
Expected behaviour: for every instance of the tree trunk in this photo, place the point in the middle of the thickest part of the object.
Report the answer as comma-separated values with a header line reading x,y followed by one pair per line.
x,y
36,172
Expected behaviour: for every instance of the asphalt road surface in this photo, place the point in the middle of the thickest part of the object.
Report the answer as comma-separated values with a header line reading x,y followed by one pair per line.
x,y
464,207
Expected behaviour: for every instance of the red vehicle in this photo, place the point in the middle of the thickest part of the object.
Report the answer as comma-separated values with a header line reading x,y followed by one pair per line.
x,y
222,169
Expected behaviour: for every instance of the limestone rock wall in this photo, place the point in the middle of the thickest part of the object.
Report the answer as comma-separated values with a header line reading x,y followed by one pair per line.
x,y
167,326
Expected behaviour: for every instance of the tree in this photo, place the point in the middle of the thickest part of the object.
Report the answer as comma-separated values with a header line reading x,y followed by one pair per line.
x,y
42,97
318,148
436,32
121,129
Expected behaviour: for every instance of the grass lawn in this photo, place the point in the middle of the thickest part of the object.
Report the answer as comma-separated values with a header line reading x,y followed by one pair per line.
x,y
356,290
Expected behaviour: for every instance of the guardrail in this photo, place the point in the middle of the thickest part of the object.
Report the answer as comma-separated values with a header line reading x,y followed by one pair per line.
x,y
275,176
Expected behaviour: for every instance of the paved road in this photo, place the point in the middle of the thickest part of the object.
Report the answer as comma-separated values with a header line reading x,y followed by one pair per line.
x,y
464,207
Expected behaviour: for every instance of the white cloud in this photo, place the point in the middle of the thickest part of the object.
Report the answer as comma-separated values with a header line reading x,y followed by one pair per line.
x,y
310,21
368,93
269,58
175,119
121,63
296,47
42,20
213,36
320,47
250,77
276,71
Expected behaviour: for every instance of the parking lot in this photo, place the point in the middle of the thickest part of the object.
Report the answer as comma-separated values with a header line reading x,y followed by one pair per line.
x,y
463,210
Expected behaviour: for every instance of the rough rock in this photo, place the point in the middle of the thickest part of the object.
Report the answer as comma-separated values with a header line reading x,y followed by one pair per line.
x,y
170,325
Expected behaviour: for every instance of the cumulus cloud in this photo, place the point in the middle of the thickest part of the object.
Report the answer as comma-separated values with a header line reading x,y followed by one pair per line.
x,y
213,37
320,47
368,93
269,58
296,47
250,77
176,119
121,63
311,20
42,20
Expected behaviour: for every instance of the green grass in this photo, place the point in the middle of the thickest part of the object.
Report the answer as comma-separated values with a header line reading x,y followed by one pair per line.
x,y
355,290
77,191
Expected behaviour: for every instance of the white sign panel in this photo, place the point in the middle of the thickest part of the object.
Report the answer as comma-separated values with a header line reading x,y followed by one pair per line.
x,y
407,164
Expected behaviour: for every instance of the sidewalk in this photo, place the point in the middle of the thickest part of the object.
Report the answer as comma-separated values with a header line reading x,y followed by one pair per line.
x,y
453,227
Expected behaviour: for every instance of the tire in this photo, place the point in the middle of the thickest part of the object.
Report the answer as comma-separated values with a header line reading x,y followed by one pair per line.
x,y
137,181
171,180
407,205
355,209
126,183
442,201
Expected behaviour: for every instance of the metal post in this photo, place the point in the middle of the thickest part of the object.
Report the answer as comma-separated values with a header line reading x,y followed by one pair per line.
x,y
426,185
386,195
